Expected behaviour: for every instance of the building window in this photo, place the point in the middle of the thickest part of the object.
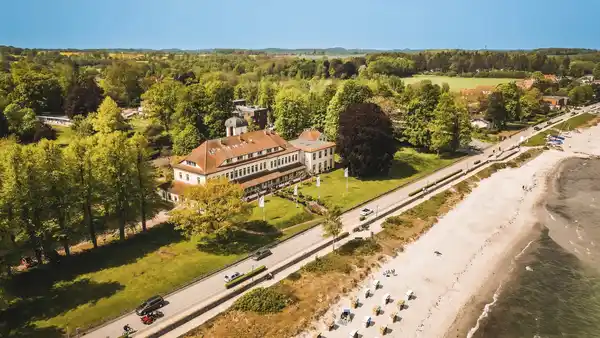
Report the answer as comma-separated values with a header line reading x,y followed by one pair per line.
x,y
331,163
228,161
187,177
268,150
244,172
314,168
255,167
198,179
193,164
330,151
180,175
314,156
239,158
250,155
278,162
320,154
320,166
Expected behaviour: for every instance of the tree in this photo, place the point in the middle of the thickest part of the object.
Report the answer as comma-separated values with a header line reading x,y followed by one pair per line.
x,y
291,113
451,126
83,126
332,224
186,140
160,101
496,110
266,94
211,208
365,141
531,103
80,165
145,179
84,97
422,101
350,92
192,107
21,122
109,118
39,91
121,83
220,97
511,95
596,71
581,94
3,125
318,100
116,171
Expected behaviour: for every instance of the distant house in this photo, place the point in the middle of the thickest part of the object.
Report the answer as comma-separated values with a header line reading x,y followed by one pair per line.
x,y
130,112
55,120
586,79
481,123
555,102
257,115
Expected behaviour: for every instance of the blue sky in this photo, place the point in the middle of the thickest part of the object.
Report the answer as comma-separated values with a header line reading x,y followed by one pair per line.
x,y
383,24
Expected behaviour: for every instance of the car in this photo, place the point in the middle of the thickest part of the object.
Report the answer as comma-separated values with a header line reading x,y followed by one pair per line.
x,y
152,304
260,254
537,128
366,212
232,276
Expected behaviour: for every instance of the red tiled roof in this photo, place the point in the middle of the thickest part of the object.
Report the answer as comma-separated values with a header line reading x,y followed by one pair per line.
x,y
310,135
175,187
210,156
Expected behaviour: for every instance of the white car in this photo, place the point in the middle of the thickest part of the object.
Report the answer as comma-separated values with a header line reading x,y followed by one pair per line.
x,y
366,212
232,277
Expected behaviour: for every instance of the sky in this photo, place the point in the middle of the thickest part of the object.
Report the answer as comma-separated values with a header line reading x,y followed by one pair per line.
x,y
254,24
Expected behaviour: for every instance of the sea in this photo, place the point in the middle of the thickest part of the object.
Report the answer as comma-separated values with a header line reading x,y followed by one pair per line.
x,y
552,288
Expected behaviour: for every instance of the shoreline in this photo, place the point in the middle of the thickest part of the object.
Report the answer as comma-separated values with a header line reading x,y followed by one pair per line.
x,y
474,313
480,239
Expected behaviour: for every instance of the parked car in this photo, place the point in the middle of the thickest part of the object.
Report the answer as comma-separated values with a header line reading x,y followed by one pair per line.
x,y
537,128
150,305
260,254
366,212
232,276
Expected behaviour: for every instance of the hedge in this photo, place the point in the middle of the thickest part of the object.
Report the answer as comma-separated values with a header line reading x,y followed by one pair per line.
x,y
448,176
245,277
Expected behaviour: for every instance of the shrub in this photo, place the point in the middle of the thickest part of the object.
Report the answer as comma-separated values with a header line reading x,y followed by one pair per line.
x,y
263,300
359,247
329,263
245,277
362,218
395,221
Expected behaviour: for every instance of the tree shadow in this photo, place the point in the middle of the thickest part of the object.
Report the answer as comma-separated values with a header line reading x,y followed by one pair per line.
x,y
21,313
40,281
32,331
238,241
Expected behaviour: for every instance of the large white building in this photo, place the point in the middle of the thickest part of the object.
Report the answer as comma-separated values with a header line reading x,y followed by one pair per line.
x,y
261,161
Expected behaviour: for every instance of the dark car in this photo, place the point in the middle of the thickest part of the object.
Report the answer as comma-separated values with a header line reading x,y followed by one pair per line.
x,y
260,254
150,305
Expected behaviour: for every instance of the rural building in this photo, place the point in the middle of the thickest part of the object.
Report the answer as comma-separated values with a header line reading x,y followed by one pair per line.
x,y
586,79
555,102
255,114
55,120
260,161
481,123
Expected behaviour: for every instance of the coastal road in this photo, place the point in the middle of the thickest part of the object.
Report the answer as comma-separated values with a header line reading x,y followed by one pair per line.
x,y
214,285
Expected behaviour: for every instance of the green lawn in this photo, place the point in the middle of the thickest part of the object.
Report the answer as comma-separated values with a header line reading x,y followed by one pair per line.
x,y
280,212
408,166
64,135
101,284
457,83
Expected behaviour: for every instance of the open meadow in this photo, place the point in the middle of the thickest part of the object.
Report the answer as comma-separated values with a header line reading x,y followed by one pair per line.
x,y
457,83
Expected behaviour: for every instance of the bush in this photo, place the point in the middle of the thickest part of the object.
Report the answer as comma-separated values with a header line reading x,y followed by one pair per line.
x,y
362,218
263,300
360,247
329,263
245,277
395,221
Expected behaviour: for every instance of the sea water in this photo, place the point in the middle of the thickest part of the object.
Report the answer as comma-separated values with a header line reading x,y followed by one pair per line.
x,y
554,285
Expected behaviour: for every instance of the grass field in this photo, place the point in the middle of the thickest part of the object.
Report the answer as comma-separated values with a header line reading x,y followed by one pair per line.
x,y
568,125
457,83
408,166
280,213
101,284
64,135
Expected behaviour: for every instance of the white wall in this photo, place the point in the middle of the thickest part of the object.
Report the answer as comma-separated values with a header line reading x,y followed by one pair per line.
x,y
188,177
326,160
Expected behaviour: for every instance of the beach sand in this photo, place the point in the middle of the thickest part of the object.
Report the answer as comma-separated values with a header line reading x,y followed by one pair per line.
x,y
478,238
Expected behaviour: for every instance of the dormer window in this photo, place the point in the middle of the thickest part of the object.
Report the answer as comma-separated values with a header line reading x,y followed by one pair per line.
x,y
239,158
268,150
250,155
190,163
228,161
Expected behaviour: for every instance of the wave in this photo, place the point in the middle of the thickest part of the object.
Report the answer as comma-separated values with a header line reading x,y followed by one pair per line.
x,y
488,307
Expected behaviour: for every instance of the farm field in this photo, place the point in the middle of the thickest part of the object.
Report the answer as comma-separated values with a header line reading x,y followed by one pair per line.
x,y
457,83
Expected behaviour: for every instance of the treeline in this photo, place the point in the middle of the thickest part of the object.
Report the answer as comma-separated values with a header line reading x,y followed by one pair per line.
x,y
53,196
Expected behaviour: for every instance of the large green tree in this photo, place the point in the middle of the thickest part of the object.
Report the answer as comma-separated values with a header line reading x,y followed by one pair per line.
x,y
144,179
84,96
531,103
451,125
365,140
186,140
220,97
422,101
108,118
511,95
212,208
160,101
121,81
496,110
39,91
350,92
291,113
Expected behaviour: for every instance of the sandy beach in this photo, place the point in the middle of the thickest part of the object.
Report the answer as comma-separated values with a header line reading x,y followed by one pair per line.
x,y
480,235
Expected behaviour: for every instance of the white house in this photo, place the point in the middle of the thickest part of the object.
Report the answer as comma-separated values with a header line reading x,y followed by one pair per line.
x,y
480,123
261,161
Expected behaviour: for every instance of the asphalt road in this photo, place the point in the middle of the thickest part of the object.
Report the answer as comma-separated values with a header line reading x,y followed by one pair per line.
x,y
214,285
